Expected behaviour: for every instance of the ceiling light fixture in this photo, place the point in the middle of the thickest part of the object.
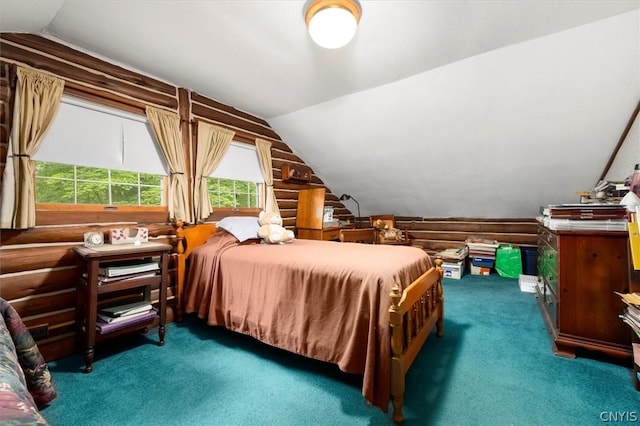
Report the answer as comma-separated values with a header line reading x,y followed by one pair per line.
x,y
332,23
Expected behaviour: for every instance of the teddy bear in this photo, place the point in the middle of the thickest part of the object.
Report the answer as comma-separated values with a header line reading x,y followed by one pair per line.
x,y
271,230
386,232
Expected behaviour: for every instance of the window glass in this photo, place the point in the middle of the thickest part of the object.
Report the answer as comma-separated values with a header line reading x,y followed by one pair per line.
x,y
66,183
233,193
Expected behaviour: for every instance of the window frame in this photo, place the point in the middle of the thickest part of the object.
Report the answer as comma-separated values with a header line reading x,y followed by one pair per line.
x,y
47,213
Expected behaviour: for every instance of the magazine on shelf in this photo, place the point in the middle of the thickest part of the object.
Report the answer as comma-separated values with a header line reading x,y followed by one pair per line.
x,y
106,280
109,319
124,310
128,269
103,327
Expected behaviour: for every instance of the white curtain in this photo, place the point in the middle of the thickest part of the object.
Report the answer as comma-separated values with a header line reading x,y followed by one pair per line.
x,y
166,128
37,99
213,143
266,165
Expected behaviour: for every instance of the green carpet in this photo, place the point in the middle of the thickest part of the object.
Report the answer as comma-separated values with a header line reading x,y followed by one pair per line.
x,y
494,366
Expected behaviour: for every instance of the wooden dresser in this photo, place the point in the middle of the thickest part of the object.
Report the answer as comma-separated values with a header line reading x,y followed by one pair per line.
x,y
580,272
309,225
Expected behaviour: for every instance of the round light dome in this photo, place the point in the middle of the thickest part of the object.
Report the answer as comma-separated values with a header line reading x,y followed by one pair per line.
x,y
332,24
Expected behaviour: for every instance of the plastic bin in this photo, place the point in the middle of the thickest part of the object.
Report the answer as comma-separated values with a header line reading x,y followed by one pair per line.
x,y
529,260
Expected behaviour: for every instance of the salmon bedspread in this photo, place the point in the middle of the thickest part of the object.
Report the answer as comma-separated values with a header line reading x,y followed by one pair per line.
x,y
325,300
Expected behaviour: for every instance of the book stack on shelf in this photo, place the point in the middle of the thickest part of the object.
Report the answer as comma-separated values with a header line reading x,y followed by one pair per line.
x,y
121,316
585,217
482,255
108,273
631,316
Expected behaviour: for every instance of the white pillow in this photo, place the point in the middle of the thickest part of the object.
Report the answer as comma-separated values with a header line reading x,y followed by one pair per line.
x,y
242,227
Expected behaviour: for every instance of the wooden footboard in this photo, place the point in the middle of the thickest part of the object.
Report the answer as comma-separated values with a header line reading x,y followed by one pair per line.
x,y
412,316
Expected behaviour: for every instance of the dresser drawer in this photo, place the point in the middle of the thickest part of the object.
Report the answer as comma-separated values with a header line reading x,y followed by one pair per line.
x,y
331,234
547,237
551,306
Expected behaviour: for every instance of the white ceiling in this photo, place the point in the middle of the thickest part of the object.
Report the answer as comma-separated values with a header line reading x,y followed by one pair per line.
x,y
257,56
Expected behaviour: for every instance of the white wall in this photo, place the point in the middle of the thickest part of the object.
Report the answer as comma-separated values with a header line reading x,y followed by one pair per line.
x,y
495,135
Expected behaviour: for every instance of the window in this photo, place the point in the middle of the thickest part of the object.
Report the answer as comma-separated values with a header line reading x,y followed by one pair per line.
x,y
94,154
237,180
66,183
232,193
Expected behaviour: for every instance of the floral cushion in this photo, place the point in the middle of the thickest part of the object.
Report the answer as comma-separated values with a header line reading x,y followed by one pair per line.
x,y
25,381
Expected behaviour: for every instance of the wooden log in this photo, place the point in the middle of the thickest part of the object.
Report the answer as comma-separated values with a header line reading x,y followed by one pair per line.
x,y
31,258
56,325
231,120
46,217
279,146
43,281
58,347
74,233
104,98
199,99
470,226
66,53
285,157
66,71
50,303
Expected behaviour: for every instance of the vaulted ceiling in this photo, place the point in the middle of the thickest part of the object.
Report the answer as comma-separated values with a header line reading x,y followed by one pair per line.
x,y
436,108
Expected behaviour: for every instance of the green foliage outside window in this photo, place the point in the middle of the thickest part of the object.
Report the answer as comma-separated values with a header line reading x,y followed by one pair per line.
x,y
232,193
65,183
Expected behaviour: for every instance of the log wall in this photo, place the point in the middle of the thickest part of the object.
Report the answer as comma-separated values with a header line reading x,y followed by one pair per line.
x,y
38,268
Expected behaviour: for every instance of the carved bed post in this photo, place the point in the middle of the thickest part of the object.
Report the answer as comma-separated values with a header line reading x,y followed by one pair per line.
x,y
180,269
440,297
397,347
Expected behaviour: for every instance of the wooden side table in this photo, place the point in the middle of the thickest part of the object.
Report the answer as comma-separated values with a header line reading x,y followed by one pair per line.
x,y
89,289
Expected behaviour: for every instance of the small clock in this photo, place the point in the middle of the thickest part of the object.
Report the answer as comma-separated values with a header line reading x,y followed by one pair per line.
x,y
93,239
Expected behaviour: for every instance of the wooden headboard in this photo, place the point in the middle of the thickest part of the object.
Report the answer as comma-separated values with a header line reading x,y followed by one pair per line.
x,y
188,239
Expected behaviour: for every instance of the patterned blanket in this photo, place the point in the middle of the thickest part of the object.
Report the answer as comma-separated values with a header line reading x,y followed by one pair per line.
x,y
25,381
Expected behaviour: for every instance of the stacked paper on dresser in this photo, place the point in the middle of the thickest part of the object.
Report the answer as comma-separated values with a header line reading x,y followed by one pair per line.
x,y
585,217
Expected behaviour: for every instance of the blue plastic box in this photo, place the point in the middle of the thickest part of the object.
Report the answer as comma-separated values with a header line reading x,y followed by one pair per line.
x,y
482,262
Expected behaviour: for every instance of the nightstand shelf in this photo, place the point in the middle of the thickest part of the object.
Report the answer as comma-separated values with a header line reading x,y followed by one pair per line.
x,y
91,293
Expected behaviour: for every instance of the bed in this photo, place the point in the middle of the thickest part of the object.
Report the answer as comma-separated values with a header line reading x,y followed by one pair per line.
x,y
366,308
25,381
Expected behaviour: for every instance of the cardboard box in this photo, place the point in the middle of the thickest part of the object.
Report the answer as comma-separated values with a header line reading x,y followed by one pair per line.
x,y
129,235
479,270
453,270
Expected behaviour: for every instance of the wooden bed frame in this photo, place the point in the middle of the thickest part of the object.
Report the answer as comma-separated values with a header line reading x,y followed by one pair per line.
x,y
413,313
